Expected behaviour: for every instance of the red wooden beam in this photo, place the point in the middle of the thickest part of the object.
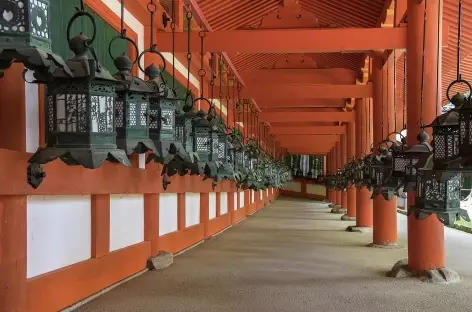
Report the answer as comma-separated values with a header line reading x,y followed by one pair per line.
x,y
289,40
301,103
301,76
302,131
307,117
311,91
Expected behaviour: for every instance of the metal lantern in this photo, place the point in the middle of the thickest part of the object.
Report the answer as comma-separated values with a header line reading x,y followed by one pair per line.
x,y
445,138
435,196
25,38
170,149
224,153
416,156
80,113
132,108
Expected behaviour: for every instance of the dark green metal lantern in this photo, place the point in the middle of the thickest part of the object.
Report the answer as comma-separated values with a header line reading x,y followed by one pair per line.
x,y
436,196
132,106
80,110
25,38
415,157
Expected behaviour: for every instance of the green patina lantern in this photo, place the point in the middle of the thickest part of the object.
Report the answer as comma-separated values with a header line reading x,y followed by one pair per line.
x,y
436,196
415,157
132,106
25,38
80,110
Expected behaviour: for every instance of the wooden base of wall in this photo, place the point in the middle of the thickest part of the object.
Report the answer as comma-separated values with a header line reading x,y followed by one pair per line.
x,y
62,288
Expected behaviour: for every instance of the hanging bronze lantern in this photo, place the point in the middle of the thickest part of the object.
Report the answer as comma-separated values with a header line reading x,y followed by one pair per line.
x,y
25,38
435,196
132,105
81,110
415,157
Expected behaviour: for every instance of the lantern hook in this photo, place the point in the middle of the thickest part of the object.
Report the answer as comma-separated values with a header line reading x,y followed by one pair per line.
x,y
165,181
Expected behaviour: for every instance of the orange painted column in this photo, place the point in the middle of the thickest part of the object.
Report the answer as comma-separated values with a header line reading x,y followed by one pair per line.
x,y
363,141
426,237
337,162
343,163
331,194
13,253
351,152
205,213
385,212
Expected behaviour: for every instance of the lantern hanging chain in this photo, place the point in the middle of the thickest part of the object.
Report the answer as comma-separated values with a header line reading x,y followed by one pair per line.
x,y
422,62
152,8
228,97
188,15
172,27
202,71
382,103
212,79
459,34
404,90
387,103
220,76
122,22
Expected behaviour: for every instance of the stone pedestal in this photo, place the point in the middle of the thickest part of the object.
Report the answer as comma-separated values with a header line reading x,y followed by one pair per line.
x,y
163,260
348,218
439,276
359,229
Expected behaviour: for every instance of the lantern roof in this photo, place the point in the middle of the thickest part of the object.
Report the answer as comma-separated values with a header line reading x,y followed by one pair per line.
x,y
128,81
449,118
81,65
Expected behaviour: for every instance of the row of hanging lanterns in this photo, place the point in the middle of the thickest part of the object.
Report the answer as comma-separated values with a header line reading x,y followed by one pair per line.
x,y
433,171
93,116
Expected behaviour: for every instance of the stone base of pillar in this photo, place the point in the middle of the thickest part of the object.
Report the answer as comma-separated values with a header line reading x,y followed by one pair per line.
x,y
348,218
331,205
387,246
358,229
338,209
439,276
161,261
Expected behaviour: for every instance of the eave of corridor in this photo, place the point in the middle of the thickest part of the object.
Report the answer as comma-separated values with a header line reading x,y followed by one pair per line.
x,y
292,256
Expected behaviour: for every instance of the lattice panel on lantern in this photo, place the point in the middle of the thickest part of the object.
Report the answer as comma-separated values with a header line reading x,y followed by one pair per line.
x,y
119,116
38,24
179,133
153,118
399,163
168,119
202,144
419,184
470,129
439,147
143,116
50,113
463,131
434,190
132,114
221,150
453,188
102,113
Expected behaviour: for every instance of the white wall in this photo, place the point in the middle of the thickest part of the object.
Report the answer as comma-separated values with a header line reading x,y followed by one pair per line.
x,y
58,232
241,199
260,195
252,196
192,209
126,220
223,203
212,206
235,205
168,213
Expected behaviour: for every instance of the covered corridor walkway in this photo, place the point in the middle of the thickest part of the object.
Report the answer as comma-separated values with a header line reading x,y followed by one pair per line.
x,y
292,256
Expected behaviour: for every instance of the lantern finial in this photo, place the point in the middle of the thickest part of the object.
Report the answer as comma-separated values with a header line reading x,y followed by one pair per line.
x,y
422,137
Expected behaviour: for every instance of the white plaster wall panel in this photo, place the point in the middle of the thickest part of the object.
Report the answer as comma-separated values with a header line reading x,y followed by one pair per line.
x,y
192,209
293,186
126,220
142,161
58,232
168,213
260,195
252,196
316,189
31,117
267,192
212,206
223,203
235,205
241,199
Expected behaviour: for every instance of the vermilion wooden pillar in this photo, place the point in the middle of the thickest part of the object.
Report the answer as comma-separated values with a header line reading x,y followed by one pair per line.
x,y
351,191
363,141
426,237
329,164
385,213
343,163
337,161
